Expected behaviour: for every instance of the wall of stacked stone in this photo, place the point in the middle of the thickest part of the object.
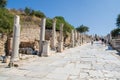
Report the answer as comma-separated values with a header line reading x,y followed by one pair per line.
x,y
31,33
29,36
2,43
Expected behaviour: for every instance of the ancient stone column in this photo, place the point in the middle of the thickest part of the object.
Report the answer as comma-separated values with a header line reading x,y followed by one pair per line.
x,y
72,38
78,38
53,42
82,38
16,40
60,46
75,34
110,38
42,34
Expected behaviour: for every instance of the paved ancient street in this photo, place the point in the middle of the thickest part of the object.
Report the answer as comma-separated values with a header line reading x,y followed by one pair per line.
x,y
87,62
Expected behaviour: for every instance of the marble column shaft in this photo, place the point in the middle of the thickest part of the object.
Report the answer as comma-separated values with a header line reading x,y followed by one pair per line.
x,y
72,38
54,35
42,33
75,34
16,39
61,38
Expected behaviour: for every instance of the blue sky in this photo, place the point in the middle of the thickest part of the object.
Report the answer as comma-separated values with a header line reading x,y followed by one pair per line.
x,y
99,15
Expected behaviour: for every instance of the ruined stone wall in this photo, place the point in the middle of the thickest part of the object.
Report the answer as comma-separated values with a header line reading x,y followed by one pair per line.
x,y
68,40
29,36
48,36
2,43
29,33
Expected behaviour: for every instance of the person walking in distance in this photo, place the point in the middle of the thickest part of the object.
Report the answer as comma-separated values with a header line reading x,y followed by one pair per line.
x,y
91,42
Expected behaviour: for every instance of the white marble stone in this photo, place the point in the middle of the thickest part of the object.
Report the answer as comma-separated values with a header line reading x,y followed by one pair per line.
x,y
72,39
42,33
16,40
60,44
53,41
46,48
72,64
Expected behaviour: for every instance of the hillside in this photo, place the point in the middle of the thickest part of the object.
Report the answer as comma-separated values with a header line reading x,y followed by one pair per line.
x,y
25,19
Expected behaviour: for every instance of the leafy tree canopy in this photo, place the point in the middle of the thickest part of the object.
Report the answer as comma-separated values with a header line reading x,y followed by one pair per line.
x,y
66,29
49,23
118,21
3,3
6,21
27,10
82,29
32,12
115,32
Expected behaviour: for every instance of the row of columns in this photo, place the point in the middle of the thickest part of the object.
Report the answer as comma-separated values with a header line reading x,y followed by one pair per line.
x,y
79,39
44,46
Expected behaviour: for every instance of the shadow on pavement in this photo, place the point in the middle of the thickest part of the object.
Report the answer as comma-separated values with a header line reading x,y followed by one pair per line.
x,y
109,48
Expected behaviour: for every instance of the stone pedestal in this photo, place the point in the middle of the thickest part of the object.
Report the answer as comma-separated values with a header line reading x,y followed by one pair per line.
x,y
60,47
46,48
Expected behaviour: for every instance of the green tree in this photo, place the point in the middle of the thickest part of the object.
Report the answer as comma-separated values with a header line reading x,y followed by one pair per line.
x,y
48,23
6,26
66,29
3,3
60,20
115,32
39,14
82,29
118,21
32,12
6,21
27,10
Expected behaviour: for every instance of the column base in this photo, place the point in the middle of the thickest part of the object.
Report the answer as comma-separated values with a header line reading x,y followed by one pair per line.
x,y
60,47
46,48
